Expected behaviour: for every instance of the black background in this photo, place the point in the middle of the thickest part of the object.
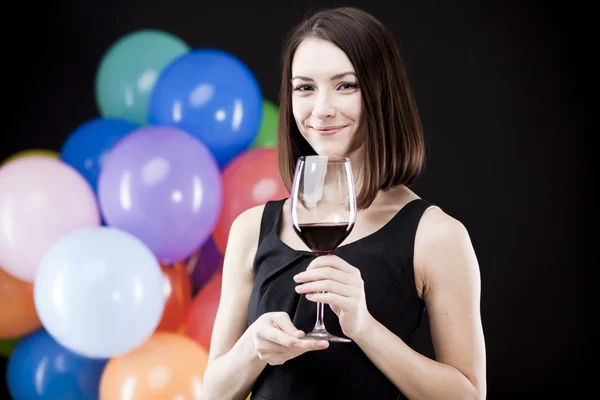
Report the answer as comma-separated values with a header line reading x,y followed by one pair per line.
x,y
500,90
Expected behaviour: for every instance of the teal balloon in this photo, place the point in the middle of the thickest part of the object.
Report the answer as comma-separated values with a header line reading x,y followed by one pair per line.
x,y
128,72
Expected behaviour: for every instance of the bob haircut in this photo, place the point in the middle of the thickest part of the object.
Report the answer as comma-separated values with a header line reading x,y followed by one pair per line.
x,y
390,132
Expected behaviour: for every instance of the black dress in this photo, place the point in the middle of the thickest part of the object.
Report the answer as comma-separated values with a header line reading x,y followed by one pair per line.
x,y
341,371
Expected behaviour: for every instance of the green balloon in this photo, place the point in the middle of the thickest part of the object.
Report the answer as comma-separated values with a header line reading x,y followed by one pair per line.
x,y
7,346
128,72
267,135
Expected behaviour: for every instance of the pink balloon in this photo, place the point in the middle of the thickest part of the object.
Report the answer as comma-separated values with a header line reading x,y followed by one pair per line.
x,y
41,200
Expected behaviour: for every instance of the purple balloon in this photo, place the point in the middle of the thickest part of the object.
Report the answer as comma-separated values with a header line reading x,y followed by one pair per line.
x,y
162,185
206,262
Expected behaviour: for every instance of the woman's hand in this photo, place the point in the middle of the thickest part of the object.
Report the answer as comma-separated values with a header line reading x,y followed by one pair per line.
x,y
331,280
277,340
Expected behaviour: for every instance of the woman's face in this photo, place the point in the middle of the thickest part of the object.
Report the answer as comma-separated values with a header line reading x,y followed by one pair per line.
x,y
326,99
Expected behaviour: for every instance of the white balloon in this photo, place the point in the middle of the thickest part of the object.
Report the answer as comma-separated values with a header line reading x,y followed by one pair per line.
x,y
99,292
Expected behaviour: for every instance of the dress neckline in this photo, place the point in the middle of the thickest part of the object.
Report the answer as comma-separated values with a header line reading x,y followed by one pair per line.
x,y
277,229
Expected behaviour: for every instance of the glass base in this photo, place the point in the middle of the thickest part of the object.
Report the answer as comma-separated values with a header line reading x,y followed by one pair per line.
x,y
324,335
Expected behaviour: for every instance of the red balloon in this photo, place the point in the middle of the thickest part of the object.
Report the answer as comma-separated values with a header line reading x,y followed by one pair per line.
x,y
251,179
178,288
200,319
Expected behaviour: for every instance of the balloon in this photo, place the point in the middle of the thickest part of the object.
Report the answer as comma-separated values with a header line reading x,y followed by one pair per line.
x,y
212,95
31,152
167,366
178,292
129,70
204,263
99,292
201,315
7,346
251,179
88,145
39,368
162,185
41,200
18,316
267,135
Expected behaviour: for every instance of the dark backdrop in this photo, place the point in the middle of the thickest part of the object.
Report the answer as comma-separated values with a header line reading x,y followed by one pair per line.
x,y
499,91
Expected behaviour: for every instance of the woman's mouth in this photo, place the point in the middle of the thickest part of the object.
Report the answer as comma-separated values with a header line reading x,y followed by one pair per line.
x,y
328,130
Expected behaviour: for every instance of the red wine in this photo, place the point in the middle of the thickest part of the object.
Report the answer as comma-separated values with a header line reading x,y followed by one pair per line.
x,y
322,238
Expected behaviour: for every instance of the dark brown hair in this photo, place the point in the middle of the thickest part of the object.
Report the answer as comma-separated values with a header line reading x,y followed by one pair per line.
x,y
389,129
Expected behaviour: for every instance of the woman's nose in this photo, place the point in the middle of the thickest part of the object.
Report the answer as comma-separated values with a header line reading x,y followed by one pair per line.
x,y
323,107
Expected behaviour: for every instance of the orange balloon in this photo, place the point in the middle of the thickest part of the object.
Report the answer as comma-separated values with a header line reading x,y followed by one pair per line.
x,y
167,366
251,179
178,288
201,315
18,316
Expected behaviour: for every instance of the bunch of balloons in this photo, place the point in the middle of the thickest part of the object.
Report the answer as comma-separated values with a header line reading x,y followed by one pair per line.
x,y
111,249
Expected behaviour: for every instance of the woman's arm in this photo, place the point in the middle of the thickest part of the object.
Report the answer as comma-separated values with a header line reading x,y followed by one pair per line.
x,y
444,253
233,364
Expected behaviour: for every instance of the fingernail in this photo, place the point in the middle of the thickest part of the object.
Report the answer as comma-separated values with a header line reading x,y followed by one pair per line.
x,y
299,333
297,277
323,343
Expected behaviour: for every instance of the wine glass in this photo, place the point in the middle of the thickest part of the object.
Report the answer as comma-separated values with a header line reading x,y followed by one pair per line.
x,y
323,211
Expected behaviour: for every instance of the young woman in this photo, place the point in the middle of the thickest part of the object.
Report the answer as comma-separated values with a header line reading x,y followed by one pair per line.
x,y
345,93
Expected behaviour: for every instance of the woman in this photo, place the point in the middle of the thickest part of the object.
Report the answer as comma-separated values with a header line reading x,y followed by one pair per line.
x,y
345,92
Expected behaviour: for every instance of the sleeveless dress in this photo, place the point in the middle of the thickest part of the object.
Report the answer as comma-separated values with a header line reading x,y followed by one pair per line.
x,y
341,371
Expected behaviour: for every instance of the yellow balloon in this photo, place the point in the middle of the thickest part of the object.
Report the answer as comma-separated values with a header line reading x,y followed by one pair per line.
x,y
32,152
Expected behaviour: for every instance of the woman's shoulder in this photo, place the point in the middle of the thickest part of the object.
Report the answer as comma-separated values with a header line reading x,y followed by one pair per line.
x,y
443,249
248,221
247,225
244,236
245,228
435,223
437,226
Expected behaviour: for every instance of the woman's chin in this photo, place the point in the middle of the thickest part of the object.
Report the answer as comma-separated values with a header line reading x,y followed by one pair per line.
x,y
330,151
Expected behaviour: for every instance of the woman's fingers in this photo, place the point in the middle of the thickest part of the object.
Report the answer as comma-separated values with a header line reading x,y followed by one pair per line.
x,y
326,285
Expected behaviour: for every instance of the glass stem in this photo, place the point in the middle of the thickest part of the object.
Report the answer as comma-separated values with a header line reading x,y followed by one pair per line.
x,y
319,325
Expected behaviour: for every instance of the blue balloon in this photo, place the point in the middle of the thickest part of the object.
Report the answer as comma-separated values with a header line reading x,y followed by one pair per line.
x,y
40,368
99,292
87,146
212,95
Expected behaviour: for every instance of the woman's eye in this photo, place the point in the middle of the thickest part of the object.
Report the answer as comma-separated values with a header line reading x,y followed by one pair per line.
x,y
303,88
348,86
